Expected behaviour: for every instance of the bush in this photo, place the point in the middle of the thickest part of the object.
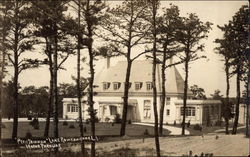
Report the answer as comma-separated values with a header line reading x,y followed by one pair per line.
x,y
34,122
28,135
129,121
197,127
117,118
3,126
65,123
88,120
72,126
29,117
36,126
188,124
107,119
218,123
85,130
146,132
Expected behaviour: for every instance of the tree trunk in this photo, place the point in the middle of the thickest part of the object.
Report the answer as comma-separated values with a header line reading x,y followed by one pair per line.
x,y
15,81
79,95
157,143
226,107
125,98
92,72
55,89
163,100
235,125
47,124
248,101
185,94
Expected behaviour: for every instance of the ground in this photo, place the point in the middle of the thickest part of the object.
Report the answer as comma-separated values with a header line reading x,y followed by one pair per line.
x,y
210,140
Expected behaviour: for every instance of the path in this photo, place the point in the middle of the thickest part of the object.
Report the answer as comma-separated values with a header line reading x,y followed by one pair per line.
x,y
173,130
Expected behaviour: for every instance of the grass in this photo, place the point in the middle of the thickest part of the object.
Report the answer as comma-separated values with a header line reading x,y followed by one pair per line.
x,y
102,129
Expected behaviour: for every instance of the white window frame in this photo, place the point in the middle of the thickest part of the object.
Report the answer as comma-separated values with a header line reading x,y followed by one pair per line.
x,y
149,85
138,85
105,85
116,85
147,109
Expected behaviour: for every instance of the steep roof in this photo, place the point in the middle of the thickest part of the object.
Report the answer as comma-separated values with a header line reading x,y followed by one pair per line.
x,y
141,72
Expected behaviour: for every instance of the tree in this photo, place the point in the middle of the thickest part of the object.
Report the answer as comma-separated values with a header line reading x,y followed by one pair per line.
x,y
167,30
53,31
18,41
91,17
239,29
3,53
153,7
198,93
192,32
225,50
126,30
216,95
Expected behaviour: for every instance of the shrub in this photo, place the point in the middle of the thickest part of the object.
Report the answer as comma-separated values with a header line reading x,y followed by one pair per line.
x,y
36,126
84,129
107,119
28,135
188,124
117,118
146,132
197,127
217,123
71,126
29,117
65,123
129,121
3,126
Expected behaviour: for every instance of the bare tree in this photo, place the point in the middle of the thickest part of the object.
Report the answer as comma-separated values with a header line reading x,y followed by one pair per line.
x,y
126,30
192,31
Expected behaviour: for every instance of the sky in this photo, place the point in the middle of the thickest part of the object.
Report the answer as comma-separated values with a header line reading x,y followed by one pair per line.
x,y
206,73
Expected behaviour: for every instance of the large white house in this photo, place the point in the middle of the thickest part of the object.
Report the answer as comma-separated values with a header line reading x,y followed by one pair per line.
x,y
110,88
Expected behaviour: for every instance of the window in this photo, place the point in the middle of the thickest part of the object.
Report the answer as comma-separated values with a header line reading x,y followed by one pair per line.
x,y
168,98
138,85
168,112
116,85
190,111
147,109
113,110
149,85
105,85
72,108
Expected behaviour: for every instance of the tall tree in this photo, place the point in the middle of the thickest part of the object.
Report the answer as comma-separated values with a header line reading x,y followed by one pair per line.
x,y
91,12
19,40
4,25
54,32
225,50
126,30
152,18
192,31
239,31
167,29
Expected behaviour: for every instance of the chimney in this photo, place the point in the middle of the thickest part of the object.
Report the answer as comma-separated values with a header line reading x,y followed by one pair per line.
x,y
108,62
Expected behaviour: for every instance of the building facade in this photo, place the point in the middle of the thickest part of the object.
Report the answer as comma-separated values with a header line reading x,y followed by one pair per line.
x,y
110,89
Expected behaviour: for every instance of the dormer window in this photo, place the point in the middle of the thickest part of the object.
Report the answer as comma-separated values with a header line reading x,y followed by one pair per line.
x,y
138,85
106,85
149,85
116,85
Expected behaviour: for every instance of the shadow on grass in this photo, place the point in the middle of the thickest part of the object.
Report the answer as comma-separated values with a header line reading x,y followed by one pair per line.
x,y
122,152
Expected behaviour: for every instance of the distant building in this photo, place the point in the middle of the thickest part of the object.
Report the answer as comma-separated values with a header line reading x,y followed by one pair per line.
x,y
109,98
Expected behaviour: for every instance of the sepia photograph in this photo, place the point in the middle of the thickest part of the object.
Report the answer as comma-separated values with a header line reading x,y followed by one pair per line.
x,y
124,78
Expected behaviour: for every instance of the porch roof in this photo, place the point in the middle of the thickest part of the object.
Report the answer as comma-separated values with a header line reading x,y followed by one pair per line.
x,y
131,102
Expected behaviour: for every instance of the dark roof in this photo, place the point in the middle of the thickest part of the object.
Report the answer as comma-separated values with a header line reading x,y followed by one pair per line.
x,y
141,72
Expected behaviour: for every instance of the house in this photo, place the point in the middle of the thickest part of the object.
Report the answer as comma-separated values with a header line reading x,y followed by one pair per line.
x,y
109,97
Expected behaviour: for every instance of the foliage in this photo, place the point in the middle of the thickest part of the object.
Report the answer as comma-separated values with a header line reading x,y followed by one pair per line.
x,y
216,95
198,93
197,127
117,118
65,123
72,126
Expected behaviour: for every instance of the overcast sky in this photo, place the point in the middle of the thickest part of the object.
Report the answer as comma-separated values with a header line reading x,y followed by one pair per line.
x,y
206,73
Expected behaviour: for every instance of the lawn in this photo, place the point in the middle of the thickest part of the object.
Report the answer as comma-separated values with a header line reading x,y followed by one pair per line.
x,y
102,129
